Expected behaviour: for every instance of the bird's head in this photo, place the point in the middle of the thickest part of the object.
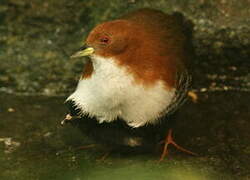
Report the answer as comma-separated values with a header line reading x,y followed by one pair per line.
x,y
110,39
151,44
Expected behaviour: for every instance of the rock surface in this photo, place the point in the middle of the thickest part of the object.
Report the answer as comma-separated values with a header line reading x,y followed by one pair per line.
x,y
37,38
33,144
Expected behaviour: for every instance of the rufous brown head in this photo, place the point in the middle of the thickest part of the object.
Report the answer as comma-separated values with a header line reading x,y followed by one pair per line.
x,y
149,43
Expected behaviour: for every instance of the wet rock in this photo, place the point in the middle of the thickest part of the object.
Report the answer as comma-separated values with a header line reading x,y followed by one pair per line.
x,y
37,38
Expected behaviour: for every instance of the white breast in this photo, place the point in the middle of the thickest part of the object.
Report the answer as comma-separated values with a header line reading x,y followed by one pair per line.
x,y
111,93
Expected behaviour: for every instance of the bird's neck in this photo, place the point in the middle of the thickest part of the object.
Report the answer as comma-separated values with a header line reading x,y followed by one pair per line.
x,y
102,64
97,62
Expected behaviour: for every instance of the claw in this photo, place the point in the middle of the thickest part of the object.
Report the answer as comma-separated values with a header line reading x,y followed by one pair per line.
x,y
169,140
69,118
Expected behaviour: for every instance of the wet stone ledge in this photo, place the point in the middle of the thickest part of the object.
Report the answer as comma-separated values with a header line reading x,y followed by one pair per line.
x,y
37,38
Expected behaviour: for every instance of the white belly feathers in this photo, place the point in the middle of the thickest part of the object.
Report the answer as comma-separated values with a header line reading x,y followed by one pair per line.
x,y
111,93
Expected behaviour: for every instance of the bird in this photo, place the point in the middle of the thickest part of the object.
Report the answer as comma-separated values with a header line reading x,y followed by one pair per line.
x,y
136,75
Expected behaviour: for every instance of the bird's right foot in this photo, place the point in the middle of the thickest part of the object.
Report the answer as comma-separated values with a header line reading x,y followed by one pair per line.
x,y
169,140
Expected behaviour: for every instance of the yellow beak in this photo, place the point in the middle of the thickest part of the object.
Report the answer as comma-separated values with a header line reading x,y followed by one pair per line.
x,y
84,51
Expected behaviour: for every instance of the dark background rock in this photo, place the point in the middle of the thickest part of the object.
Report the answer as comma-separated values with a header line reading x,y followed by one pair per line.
x,y
37,38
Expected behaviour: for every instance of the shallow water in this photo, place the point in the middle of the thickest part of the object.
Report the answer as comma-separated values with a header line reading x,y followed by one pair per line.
x,y
216,127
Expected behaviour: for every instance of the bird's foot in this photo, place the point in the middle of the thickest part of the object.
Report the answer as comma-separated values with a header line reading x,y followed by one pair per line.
x,y
69,118
169,140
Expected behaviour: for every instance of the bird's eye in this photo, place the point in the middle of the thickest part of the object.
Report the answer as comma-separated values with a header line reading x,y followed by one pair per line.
x,y
104,40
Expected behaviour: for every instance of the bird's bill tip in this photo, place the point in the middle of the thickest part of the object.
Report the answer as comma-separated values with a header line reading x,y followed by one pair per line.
x,y
83,52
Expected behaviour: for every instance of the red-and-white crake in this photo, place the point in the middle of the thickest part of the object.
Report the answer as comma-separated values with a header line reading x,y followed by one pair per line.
x,y
136,71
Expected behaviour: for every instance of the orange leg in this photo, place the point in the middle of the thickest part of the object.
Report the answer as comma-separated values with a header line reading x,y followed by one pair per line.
x,y
169,140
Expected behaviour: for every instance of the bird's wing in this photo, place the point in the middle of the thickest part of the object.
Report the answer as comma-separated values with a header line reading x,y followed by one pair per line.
x,y
182,85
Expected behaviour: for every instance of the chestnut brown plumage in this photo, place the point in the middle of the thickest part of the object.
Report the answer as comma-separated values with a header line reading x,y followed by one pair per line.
x,y
136,74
